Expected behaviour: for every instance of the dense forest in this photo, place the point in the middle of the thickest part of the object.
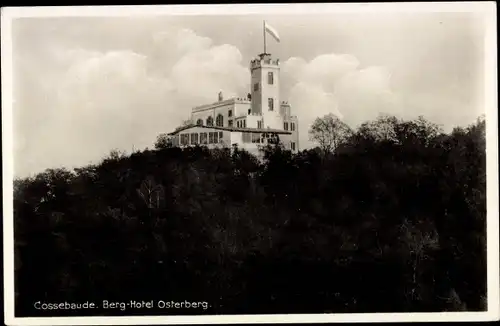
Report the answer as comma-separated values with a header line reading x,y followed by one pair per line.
x,y
392,219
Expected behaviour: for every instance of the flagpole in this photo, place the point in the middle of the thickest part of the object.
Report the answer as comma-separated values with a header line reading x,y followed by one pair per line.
x,y
264,30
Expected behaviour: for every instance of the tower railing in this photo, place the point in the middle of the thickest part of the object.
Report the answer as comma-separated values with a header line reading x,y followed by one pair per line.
x,y
257,63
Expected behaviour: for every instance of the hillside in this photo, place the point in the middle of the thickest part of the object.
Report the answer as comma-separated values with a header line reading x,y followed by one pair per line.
x,y
393,221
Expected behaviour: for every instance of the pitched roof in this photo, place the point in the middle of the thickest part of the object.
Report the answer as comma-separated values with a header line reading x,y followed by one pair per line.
x,y
235,129
212,105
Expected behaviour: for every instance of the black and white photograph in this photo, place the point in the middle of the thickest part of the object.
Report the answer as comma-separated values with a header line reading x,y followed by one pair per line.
x,y
245,163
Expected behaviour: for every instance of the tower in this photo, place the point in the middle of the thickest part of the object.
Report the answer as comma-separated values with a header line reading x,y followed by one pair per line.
x,y
265,90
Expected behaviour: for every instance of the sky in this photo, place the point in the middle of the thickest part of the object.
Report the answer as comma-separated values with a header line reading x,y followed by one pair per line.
x,y
83,86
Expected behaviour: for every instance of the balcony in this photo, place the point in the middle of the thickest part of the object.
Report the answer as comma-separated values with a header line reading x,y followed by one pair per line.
x,y
258,63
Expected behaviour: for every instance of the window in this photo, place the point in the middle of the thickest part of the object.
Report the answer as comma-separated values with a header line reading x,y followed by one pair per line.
x,y
199,122
219,121
220,136
270,103
285,126
255,138
255,87
292,126
194,139
259,124
270,78
273,139
244,123
230,113
210,121
203,138
249,111
230,123
184,139
293,146
247,137
213,137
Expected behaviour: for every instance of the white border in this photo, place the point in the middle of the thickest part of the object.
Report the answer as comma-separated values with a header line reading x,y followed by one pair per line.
x,y
488,9
246,9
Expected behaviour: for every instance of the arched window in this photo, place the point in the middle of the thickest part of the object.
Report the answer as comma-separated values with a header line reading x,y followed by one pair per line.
x,y
219,121
199,122
210,121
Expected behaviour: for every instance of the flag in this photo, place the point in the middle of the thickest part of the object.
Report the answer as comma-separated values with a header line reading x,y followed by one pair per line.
x,y
273,32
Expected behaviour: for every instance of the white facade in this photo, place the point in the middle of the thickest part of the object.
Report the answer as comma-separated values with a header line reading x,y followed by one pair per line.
x,y
260,112
250,139
228,111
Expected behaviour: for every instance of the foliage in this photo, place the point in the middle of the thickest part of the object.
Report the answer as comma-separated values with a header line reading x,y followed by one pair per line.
x,y
329,131
393,222
162,141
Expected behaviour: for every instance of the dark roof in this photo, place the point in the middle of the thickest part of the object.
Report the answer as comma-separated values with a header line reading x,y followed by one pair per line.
x,y
253,130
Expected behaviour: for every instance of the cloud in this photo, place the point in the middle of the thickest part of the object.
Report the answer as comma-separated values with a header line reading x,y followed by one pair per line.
x,y
335,83
206,72
328,68
310,101
182,41
79,104
366,93
89,101
97,104
82,90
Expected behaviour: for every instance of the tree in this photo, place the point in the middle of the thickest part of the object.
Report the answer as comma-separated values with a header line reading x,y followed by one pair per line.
x,y
418,131
389,128
162,141
329,132
151,192
115,155
418,239
381,129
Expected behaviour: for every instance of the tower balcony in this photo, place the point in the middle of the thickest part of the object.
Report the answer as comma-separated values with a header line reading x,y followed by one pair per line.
x,y
263,61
